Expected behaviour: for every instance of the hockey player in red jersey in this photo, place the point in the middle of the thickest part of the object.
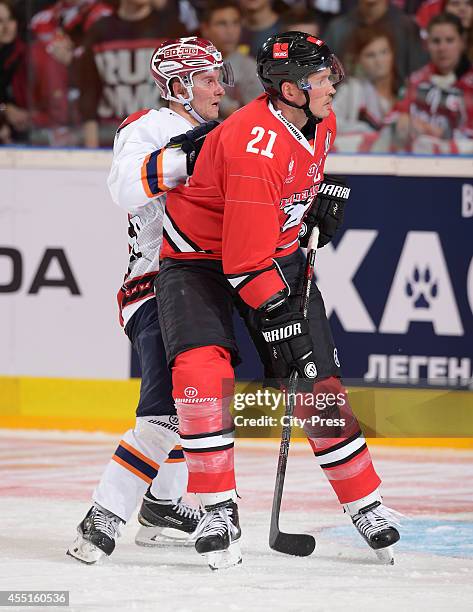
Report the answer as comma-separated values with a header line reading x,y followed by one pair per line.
x,y
148,459
255,183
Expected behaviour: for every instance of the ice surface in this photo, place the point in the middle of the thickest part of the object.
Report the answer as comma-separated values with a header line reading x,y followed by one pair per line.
x,y
46,479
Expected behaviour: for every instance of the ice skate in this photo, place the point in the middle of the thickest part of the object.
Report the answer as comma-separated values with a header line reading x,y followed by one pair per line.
x,y
377,525
218,535
96,535
166,522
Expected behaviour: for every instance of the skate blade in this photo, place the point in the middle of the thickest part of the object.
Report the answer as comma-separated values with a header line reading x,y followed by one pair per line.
x,y
85,551
385,555
223,559
162,536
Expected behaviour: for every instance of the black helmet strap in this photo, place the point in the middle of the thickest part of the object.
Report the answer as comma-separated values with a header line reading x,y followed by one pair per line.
x,y
304,107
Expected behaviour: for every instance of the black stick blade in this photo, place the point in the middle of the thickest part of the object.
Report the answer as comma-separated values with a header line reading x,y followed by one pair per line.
x,y
297,544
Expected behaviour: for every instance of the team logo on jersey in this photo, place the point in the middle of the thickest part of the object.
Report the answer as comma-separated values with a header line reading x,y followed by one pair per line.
x,y
280,50
296,206
291,171
314,172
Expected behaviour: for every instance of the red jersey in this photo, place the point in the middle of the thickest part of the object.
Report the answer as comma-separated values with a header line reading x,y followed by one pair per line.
x,y
448,106
255,179
74,17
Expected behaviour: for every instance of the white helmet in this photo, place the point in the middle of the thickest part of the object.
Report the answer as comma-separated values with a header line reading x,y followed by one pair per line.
x,y
181,58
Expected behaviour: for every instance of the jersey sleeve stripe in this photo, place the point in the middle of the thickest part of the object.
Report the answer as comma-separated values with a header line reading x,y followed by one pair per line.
x,y
161,184
152,174
144,177
238,281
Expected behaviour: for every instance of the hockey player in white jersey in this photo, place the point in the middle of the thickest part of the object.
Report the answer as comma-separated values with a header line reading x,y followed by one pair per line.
x,y
154,151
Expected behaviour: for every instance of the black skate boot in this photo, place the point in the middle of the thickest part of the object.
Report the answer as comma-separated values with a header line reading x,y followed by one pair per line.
x,y
218,535
166,522
96,535
376,524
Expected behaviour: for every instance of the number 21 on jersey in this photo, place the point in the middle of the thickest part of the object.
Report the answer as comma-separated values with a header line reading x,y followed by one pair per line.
x,y
260,133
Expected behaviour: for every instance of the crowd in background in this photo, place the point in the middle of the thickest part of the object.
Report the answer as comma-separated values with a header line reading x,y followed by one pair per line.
x,y
72,70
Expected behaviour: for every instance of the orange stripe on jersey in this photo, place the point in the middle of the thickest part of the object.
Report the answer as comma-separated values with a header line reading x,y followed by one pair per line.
x,y
130,468
160,173
139,455
144,177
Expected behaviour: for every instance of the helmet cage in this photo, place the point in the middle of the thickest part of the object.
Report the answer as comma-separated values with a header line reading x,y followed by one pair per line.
x,y
335,76
226,78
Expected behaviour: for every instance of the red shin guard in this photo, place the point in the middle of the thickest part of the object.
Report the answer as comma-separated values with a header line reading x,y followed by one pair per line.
x,y
203,385
336,438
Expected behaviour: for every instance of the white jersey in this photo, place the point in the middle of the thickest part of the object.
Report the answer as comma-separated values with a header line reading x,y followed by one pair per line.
x,y
141,174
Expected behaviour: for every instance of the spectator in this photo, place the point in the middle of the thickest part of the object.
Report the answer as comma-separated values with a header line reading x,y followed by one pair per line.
x,y
330,8
187,12
114,69
461,8
430,8
407,6
222,25
300,20
72,17
14,116
260,21
410,54
363,101
58,32
436,114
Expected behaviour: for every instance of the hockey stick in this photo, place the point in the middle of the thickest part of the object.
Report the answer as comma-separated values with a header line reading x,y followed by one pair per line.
x,y
298,544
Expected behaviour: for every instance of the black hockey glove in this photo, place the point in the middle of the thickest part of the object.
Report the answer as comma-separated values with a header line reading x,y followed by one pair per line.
x,y
326,211
191,142
290,345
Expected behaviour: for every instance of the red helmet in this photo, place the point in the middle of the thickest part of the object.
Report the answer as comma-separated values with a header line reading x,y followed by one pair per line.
x,y
181,58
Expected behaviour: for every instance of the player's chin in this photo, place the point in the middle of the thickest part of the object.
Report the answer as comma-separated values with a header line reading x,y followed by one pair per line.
x,y
213,111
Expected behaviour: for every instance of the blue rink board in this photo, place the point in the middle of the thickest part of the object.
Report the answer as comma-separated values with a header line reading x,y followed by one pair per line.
x,y
428,536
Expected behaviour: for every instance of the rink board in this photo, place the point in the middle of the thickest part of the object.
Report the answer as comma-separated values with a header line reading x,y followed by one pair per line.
x,y
397,280
65,363
428,417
